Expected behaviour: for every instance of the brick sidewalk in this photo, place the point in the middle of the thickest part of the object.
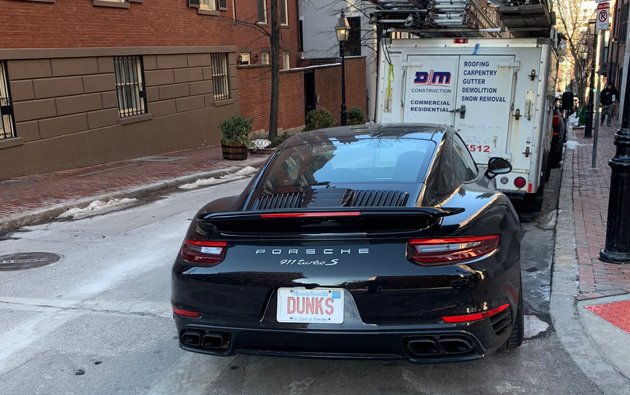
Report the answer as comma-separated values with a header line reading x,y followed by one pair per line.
x,y
591,188
24,194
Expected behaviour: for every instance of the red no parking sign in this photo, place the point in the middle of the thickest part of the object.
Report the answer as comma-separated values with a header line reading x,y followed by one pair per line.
x,y
603,14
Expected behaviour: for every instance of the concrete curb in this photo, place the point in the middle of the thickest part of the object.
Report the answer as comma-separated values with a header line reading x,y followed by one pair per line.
x,y
564,289
38,216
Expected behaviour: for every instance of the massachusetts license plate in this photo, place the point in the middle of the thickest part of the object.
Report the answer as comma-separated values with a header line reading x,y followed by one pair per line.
x,y
321,305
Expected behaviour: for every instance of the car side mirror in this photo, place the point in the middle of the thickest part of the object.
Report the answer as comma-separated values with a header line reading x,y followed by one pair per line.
x,y
497,166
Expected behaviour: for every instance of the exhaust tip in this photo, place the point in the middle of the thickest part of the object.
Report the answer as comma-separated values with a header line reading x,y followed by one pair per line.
x,y
456,345
191,338
423,346
213,340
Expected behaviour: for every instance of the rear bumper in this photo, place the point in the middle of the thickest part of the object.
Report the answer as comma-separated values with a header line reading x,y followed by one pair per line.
x,y
428,344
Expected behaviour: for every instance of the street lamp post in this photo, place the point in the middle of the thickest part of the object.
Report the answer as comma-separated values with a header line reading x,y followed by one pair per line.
x,y
343,32
588,128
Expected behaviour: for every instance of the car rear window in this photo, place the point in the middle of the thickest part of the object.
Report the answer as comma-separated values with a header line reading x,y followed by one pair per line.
x,y
385,161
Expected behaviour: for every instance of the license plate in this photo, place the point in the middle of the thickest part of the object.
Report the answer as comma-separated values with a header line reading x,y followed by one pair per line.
x,y
321,305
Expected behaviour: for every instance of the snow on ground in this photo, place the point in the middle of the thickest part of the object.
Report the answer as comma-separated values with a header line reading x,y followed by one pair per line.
x,y
572,144
534,326
210,181
245,171
201,183
97,206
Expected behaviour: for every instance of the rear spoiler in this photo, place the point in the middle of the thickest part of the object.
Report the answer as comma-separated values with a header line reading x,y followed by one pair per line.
x,y
312,216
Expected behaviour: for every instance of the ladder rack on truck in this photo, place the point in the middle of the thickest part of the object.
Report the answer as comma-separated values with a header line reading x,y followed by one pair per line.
x,y
525,18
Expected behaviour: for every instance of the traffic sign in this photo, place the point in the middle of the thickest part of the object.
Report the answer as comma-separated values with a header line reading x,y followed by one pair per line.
x,y
602,16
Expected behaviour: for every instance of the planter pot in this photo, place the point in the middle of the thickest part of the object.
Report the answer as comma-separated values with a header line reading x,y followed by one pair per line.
x,y
234,151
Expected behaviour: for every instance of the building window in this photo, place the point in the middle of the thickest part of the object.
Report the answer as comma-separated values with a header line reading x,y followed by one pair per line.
x,y
284,18
262,11
111,3
264,58
210,5
129,72
286,58
220,77
353,46
244,58
7,125
223,5
623,28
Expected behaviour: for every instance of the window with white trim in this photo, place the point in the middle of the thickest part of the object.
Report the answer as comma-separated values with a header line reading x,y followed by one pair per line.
x,y
262,11
210,5
284,17
7,124
264,58
220,76
130,89
286,57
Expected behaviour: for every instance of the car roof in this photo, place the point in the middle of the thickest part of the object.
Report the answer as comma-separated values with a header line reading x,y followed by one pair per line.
x,y
432,132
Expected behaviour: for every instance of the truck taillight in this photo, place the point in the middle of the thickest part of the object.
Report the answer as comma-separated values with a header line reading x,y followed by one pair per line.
x,y
203,251
460,40
520,182
450,250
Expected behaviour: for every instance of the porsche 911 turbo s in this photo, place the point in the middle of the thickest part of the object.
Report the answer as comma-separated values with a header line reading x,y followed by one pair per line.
x,y
381,241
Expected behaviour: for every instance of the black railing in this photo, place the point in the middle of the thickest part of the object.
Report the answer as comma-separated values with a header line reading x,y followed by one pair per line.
x,y
220,77
130,89
7,123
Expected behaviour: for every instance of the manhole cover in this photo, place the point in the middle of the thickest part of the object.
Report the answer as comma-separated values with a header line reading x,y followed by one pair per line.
x,y
27,260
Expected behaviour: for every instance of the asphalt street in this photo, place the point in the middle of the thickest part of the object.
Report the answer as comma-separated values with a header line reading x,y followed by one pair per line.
x,y
98,320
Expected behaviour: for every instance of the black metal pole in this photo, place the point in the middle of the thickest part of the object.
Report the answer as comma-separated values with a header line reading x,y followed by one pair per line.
x,y
625,111
344,113
588,128
617,249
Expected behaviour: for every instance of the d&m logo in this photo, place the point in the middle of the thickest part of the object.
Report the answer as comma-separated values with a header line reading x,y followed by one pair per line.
x,y
432,78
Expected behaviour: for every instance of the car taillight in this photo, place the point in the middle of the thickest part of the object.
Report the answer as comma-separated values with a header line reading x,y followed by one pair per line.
x,y
202,251
451,250
453,319
186,313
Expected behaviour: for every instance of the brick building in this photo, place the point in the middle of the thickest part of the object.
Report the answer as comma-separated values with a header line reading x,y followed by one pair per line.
x,y
84,82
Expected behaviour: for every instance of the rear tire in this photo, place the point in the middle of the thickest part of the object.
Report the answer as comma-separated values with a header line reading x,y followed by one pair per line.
x,y
518,330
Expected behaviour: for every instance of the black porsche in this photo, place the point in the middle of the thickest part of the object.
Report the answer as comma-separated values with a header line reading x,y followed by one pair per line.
x,y
381,241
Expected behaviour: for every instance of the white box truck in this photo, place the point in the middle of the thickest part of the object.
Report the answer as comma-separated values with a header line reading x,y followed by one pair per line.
x,y
497,92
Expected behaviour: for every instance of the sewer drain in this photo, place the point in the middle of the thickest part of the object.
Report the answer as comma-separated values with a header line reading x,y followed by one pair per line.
x,y
27,260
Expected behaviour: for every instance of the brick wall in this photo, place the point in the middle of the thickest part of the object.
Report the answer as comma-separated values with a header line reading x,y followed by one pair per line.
x,y
256,93
328,86
79,23
66,111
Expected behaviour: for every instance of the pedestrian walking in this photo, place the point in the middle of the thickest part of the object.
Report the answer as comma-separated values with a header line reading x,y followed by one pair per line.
x,y
607,99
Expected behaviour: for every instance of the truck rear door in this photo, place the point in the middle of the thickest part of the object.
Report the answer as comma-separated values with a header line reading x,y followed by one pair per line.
x,y
430,89
472,93
485,89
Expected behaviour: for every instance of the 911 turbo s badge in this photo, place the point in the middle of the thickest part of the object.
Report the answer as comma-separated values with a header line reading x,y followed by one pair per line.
x,y
311,251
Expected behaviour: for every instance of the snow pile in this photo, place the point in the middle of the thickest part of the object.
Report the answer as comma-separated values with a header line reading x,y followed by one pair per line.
x,y
200,183
245,171
572,144
210,181
97,206
534,326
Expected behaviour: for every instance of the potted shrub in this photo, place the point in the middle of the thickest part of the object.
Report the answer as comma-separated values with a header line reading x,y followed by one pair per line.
x,y
235,137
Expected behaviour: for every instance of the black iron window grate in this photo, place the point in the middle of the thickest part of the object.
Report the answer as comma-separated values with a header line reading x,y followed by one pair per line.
x,y
130,89
220,77
7,123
